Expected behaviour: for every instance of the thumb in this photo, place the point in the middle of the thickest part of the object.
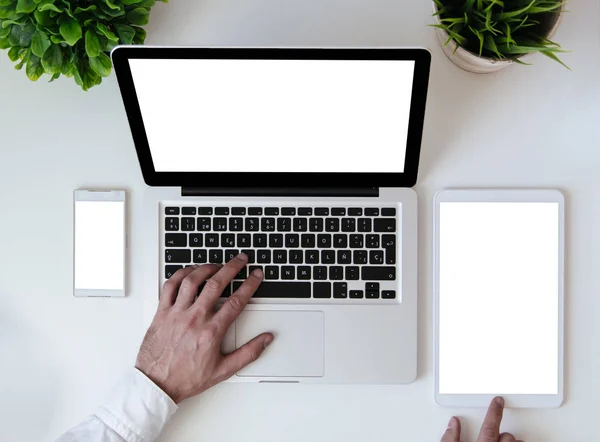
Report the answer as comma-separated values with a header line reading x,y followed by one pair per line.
x,y
452,433
246,354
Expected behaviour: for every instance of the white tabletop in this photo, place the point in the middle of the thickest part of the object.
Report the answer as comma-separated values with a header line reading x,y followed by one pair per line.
x,y
527,126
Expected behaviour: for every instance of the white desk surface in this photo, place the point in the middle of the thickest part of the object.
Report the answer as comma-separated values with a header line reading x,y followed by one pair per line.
x,y
533,126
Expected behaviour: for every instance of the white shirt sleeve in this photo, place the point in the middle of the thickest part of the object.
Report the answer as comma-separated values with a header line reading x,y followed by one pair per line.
x,y
136,411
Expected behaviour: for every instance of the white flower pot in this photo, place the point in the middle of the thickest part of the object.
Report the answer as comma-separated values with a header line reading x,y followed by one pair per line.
x,y
471,62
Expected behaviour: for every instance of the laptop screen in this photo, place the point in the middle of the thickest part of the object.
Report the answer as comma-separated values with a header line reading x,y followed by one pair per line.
x,y
265,115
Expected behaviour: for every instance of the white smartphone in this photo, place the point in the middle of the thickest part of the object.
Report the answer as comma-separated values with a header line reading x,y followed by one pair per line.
x,y
99,243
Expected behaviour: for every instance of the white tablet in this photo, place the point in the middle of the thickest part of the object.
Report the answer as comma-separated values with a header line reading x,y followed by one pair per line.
x,y
498,297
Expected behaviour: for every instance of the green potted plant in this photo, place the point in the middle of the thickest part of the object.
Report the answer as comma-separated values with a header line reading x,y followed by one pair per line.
x,y
71,38
484,36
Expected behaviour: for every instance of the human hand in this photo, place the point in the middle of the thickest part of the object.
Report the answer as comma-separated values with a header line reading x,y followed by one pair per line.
x,y
181,351
490,430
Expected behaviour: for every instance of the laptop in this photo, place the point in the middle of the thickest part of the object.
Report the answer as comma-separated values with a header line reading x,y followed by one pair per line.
x,y
304,159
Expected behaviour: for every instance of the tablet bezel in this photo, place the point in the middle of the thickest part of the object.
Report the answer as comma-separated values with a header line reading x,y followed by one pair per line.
x,y
500,195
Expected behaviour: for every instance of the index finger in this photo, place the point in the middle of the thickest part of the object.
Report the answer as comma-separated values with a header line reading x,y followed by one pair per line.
x,y
238,301
490,430
214,287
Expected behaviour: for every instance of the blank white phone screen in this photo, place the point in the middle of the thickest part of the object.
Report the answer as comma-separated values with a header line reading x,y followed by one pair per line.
x,y
498,297
99,245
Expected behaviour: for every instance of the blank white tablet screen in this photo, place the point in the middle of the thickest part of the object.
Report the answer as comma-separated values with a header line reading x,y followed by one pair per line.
x,y
498,297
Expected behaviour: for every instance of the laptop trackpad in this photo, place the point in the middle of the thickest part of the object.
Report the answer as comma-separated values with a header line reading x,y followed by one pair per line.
x,y
298,346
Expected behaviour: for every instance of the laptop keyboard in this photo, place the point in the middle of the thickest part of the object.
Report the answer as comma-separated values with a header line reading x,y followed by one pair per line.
x,y
304,252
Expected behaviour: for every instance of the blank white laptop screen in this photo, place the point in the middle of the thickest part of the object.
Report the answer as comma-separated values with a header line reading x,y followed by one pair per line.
x,y
275,115
498,298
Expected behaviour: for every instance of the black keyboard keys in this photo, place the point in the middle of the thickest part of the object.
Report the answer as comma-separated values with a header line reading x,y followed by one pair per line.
x,y
360,257
332,224
305,211
376,257
372,241
348,224
267,224
170,270
311,256
280,256
178,255
322,290
388,211
215,256
252,225
284,224
338,211
344,257
203,224
244,240
288,272
271,272
320,272
388,294
175,240
222,211
315,224
322,211
292,240
288,211
340,289
364,224
275,240
171,210
357,241
251,255
308,240
227,240
205,210
304,272
328,256
259,240
199,256
355,211
300,224
372,290
296,256
280,289
219,224
236,224
340,241
255,211
212,239
388,243
356,294
324,240
230,254
352,273
378,273
188,210
196,240
336,273
272,211
263,257
171,224
385,225
238,211
372,211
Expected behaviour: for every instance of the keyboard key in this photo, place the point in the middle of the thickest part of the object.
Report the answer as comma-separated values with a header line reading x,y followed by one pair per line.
x,y
320,272
263,257
275,240
305,211
324,240
205,210
271,272
203,224
322,211
388,243
171,210
348,224
267,224
344,257
360,257
315,224
188,224
242,274
292,240
272,211
296,256
356,294
376,257
230,254
236,224
171,224
378,273
364,225
219,224
288,289
227,240
372,290
255,211
288,211
175,240
196,240
170,270
355,211
357,241
300,224
328,256
244,240
199,256
280,256
215,256
372,286
388,211
222,211
259,240
304,272
336,273
238,210
284,224
372,241
178,255
252,225
312,257
251,255
212,240
340,289
352,273
372,294
288,272
188,210
321,290
388,294
372,211
385,225
340,241
332,225
338,211
308,240
251,269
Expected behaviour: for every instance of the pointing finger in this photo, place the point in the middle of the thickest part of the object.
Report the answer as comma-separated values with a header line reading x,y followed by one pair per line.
x,y
452,433
490,430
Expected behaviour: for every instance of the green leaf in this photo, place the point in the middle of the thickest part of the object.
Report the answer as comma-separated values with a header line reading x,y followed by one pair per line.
x,y
56,39
4,32
130,2
505,15
34,68
53,59
71,31
111,5
4,43
140,36
39,43
553,56
139,16
101,64
7,11
26,6
92,43
13,53
21,35
54,77
43,18
90,8
126,33
103,29
49,7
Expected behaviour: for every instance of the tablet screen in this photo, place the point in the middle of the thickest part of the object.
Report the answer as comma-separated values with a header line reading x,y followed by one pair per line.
x,y
499,297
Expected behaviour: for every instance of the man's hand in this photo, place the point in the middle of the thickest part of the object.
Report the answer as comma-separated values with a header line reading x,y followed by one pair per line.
x,y
181,351
490,430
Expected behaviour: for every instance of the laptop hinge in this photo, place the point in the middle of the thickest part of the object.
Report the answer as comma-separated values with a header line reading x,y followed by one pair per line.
x,y
282,191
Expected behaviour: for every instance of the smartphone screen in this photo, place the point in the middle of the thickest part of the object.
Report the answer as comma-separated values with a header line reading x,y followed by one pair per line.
x,y
499,266
99,262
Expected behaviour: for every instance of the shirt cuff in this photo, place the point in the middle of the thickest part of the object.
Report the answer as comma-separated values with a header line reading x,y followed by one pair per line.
x,y
137,409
